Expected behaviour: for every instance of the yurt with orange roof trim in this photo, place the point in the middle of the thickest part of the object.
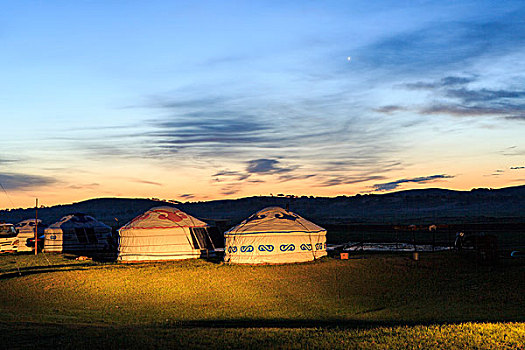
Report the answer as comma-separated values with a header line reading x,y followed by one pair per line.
x,y
163,233
274,236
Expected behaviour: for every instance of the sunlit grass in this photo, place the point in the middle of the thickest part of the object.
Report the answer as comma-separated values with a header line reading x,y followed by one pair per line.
x,y
377,301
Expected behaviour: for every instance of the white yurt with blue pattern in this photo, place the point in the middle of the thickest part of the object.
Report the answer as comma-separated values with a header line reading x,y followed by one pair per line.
x,y
274,236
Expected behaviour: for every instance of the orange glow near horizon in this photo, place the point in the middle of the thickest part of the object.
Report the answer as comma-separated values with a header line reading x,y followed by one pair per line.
x,y
188,188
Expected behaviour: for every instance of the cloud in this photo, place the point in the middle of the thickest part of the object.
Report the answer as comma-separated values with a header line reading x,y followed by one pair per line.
x,y
390,109
446,44
520,118
462,110
509,111
455,80
455,47
184,103
231,189
85,186
210,129
16,181
239,175
459,101
289,177
346,180
187,196
266,166
443,82
227,173
513,152
387,186
7,161
483,95
148,182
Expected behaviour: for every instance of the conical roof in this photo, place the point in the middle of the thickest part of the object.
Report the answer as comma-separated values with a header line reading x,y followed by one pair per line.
x,y
29,222
163,217
274,220
78,220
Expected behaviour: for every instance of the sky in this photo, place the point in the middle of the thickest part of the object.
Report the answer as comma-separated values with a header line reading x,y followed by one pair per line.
x,y
207,100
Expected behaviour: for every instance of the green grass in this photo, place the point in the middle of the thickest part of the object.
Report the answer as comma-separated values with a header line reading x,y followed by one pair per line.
x,y
450,336
381,301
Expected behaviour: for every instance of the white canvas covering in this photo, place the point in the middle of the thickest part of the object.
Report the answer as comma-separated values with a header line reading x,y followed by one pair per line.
x,y
77,233
273,236
161,233
26,230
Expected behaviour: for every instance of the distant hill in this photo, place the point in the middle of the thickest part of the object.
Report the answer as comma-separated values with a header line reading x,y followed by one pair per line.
x,y
404,207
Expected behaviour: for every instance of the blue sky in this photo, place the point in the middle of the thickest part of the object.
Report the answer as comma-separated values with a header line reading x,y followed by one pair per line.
x,y
220,99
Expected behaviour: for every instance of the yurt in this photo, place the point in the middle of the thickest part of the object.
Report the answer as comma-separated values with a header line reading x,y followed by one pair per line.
x,y
77,233
26,230
164,233
274,236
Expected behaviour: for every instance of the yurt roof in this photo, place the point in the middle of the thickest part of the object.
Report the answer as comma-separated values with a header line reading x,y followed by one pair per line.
x,y
274,220
78,220
163,217
28,222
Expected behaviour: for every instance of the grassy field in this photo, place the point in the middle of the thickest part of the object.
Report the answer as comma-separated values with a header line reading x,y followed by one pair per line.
x,y
377,301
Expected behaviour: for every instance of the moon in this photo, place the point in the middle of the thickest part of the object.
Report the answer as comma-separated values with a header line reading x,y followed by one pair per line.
x,y
349,58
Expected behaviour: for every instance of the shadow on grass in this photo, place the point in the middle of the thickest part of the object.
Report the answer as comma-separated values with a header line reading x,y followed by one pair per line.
x,y
34,270
267,323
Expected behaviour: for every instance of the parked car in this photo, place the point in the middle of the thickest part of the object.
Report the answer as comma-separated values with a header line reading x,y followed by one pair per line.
x,y
26,230
30,242
8,238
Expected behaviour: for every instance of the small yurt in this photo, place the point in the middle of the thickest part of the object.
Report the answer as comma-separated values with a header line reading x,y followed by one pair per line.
x,y
77,233
164,233
274,236
26,230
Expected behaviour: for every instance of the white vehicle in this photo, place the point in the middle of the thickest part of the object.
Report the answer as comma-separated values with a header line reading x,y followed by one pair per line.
x,y
8,238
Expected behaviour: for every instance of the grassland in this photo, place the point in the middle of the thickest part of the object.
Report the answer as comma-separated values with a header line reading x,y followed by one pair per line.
x,y
378,301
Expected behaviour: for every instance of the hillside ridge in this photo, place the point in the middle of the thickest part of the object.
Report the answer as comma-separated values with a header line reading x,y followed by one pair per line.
x,y
419,205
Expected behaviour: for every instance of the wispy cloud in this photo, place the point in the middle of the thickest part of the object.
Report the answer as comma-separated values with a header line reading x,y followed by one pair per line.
x,y
388,186
148,182
448,81
437,46
90,186
287,141
290,177
464,110
390,109
210,129
331,136
7,161
451,49
231,189
267,166
459,101
238,175
484,95
187,196
17,181
346,180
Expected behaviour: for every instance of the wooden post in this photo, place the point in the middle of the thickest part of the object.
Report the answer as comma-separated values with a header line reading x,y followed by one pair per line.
x,y
36,227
